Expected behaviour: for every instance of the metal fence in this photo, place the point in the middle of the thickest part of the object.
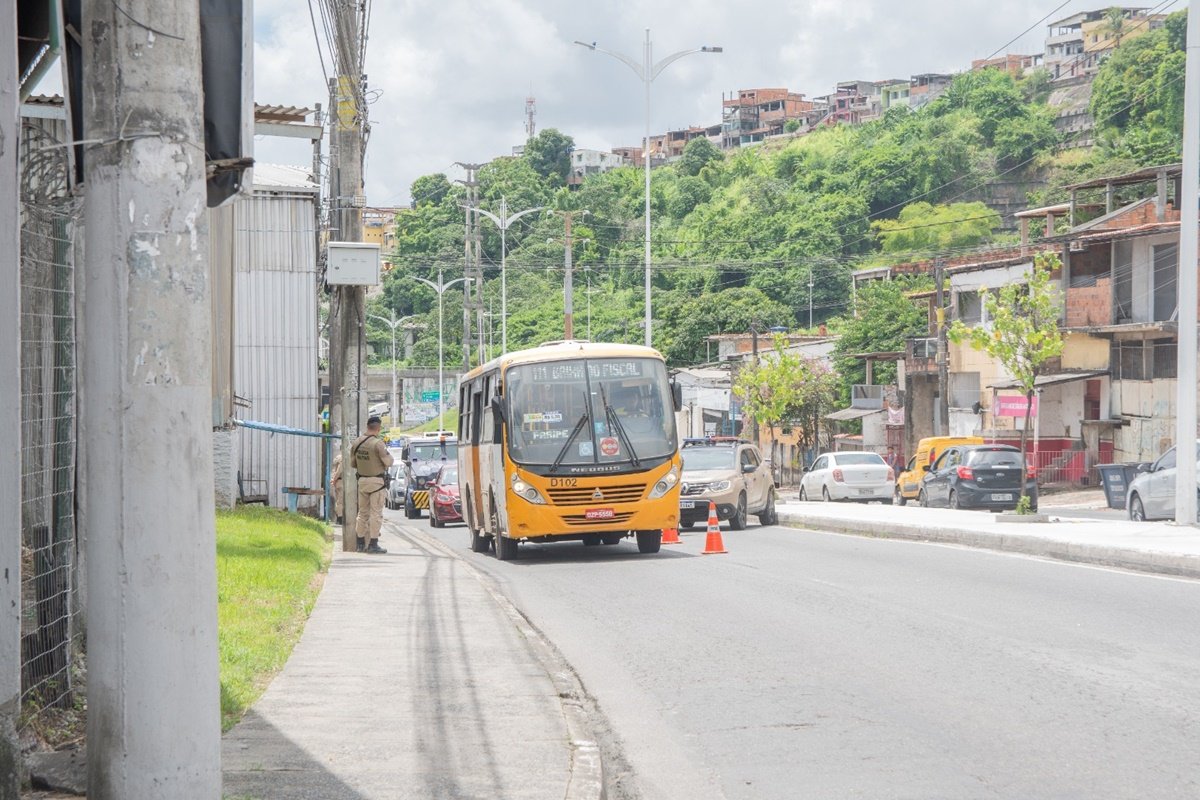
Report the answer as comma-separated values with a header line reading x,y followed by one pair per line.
x,y
51,647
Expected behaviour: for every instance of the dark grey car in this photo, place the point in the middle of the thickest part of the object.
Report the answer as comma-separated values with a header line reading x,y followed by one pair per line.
x,y
977,476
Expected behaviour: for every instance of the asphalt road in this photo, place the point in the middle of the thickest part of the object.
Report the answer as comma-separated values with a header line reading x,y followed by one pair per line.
x,y
809,665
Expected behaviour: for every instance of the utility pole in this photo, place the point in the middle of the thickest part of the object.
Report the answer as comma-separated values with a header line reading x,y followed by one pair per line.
x,y
440,287
810,296
348,306
503,222
153,729
1185,404
754,356
568,276
10,416
472,267
942,411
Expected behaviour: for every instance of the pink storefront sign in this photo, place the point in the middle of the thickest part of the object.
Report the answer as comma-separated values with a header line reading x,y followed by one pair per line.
x,y
1013,405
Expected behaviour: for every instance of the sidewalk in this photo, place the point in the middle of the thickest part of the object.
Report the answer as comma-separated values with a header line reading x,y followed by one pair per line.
x,y
1156,547
411,681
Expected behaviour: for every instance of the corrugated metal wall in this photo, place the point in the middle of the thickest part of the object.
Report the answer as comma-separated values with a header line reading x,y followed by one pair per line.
x,y
275,340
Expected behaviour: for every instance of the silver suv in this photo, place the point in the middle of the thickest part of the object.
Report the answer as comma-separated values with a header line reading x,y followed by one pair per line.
x,y
730,473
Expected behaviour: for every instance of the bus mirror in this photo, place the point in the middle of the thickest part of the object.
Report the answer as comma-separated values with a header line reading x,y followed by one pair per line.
x,y
498,408
677,395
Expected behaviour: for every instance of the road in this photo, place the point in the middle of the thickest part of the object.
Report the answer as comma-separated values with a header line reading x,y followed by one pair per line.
x,y
828,666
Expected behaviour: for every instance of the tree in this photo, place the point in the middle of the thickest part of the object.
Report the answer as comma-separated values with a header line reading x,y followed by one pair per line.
x,y
429,189
885,318
924,227
1114,23
1023,334
791,126
697,155
787,388
549,153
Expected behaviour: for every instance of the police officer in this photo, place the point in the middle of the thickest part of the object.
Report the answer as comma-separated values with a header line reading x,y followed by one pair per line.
x,y
371,460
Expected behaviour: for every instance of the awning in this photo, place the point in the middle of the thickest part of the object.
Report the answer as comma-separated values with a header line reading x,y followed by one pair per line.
x,y
1054,378
852,413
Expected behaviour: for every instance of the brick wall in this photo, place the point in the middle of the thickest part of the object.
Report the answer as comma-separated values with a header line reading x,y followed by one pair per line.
x,y
1090,305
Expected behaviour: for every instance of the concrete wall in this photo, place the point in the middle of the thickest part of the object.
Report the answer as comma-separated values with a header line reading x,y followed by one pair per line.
x,y
1081,351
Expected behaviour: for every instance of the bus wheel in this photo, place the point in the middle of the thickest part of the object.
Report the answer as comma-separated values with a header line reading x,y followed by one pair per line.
x,y
649,541
612,538
591,540
506,548
479,542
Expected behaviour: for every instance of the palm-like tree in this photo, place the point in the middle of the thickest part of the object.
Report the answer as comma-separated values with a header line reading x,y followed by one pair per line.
x,y
1114,23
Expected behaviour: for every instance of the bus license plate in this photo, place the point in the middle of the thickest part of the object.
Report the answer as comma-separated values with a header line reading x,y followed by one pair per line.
x,y
599,513
1001,498
687,503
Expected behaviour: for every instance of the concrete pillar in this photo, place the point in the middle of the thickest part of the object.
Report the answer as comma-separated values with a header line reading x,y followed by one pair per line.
x,y
10,415
153,724
225,466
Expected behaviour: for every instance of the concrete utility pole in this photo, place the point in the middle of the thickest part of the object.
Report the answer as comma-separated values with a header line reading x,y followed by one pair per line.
x,y
568,276
1185,405
440,287
10,416
472,268
503,222
942,420
348,310
648,70
393,323
153,722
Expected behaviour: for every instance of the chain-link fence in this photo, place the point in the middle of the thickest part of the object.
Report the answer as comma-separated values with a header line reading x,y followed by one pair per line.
x,y
51,644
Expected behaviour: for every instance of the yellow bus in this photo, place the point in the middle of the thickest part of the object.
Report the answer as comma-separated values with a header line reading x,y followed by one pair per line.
x,y
569,441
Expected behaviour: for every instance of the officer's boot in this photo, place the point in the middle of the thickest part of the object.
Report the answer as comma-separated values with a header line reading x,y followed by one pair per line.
x,y
360,544
375,548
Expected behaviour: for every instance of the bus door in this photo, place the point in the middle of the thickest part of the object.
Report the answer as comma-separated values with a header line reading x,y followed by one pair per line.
x,y
474,398
492,480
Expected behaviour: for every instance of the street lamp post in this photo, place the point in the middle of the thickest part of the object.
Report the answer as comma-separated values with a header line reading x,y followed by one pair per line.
x,y
440,288
648,70
393,323
503,221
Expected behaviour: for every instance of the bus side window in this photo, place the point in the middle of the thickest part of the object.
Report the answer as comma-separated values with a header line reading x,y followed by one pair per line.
x,y
477,391
464,416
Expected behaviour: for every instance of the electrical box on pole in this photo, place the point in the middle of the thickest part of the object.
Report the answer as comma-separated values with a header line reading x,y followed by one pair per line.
x,y
352,264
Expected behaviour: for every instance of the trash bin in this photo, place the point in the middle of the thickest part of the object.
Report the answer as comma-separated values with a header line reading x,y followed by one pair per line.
x,y
1116,479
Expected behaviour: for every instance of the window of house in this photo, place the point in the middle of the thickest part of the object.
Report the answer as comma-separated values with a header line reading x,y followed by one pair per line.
x,y
1130,361
1122,259
1165,360
1166,257
970,308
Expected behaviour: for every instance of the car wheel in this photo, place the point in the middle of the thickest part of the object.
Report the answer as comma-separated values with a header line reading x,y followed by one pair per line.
x,y
954,500
434,522
769,515
803,495
738,521
411,511
923,499
649,541
825,494
1137,512
899,499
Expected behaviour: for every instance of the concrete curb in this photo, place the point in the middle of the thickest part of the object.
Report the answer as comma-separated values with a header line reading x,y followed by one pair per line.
x,y
1158,563
586,780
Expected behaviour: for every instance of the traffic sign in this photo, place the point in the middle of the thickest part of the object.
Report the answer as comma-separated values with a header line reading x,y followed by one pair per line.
x,y
430,397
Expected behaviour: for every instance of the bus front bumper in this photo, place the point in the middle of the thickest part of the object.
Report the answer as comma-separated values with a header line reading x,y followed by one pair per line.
x,y
566,522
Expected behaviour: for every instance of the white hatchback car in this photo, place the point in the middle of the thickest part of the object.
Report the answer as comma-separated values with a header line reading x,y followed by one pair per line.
x,y
857,476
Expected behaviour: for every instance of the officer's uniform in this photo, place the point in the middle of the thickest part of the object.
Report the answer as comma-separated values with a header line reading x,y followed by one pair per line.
x,y
371,459
336,479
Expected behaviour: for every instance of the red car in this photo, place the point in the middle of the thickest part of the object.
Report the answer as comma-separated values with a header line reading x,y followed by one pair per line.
x,y
444,503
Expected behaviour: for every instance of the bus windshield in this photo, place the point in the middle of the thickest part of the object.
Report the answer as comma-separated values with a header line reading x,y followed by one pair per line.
x,y
590,411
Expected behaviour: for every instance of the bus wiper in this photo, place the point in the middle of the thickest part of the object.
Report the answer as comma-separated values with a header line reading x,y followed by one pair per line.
x,y
567,444
615,422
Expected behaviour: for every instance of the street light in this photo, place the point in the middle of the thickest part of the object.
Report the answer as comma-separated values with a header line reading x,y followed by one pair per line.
x,y
503,221
648,70
440,288
393,323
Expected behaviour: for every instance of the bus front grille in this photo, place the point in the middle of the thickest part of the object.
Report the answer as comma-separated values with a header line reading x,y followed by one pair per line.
x,y
615,519
586,495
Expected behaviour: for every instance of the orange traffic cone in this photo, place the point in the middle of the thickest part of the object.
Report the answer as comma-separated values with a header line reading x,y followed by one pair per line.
x,y
712,543
671,536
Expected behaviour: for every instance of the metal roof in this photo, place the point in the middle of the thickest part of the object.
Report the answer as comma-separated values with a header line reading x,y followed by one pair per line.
x,y
852,413
284,176
1054,378
1137,176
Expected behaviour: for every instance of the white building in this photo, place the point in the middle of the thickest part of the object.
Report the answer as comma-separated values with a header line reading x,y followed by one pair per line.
x,y
585,162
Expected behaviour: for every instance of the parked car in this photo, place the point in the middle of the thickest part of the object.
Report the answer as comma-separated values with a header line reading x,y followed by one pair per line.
x,y
908,482
857,476
395,495
1151,495
729,473
445,505
978,476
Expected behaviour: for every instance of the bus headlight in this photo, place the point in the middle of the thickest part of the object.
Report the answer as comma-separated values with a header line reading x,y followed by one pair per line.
x,y
665,483
527,492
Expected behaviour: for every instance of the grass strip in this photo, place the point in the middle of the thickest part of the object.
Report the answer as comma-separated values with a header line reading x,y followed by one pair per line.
x,y
270,565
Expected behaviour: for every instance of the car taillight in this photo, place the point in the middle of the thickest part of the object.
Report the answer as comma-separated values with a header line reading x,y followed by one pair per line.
x,y
1030,472
837,476
891,475
966,473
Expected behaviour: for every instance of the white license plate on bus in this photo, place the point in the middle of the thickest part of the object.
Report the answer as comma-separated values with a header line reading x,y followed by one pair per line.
x,y
687,503
1001,497
599,513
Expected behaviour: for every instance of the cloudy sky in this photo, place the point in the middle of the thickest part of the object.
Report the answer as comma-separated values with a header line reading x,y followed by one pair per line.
x,y
453,75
